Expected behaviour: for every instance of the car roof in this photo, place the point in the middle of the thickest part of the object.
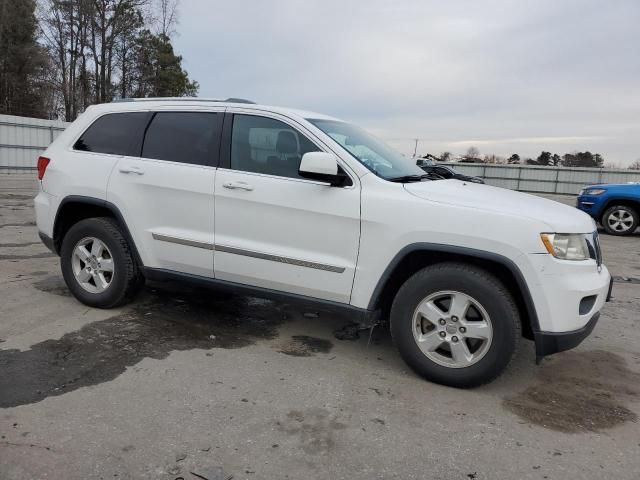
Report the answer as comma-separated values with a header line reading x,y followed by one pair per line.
x,y
129,104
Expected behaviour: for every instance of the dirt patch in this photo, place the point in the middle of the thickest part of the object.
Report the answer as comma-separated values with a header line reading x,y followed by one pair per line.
x,y
15,196
626,280
53,284
25,224
162,322
579,392
350,332
305,346
25,244
27,257
314,428
38,273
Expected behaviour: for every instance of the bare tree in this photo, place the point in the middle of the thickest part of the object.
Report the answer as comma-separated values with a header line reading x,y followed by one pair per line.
x,y
635,165
167,17
111,20
472,155
103,49
61,31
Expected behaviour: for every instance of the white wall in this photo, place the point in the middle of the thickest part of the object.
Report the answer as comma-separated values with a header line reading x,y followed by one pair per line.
x,y
22,139
529,178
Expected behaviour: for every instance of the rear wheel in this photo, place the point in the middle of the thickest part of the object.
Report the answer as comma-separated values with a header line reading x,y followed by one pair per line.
x,y
620,220
97,264
455,324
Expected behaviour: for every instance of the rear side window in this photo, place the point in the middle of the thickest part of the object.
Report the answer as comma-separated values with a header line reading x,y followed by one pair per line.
x,y
185,137
114,133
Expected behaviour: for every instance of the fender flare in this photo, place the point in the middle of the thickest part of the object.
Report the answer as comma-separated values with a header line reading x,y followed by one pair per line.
x,y
468,252
98,203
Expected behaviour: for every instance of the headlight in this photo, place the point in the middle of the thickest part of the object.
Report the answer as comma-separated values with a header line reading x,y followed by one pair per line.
x,y
566,246
593,191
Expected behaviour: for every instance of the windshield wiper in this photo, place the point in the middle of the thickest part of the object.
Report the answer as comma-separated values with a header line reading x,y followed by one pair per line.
x,y
409,178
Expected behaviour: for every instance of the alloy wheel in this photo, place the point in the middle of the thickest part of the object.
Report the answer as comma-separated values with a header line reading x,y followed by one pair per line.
x,y
452,329
92,265
620,220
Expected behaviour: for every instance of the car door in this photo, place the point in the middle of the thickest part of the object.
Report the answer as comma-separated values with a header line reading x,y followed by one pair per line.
x,y
166,194
273,228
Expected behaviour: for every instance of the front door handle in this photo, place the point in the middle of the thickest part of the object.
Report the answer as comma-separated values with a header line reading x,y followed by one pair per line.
x,y
136,170
237,186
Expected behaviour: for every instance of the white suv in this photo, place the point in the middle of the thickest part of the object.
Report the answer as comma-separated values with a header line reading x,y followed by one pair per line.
x,y
304,207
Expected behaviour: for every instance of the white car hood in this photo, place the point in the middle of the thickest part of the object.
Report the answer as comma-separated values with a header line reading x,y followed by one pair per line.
x,y
560,218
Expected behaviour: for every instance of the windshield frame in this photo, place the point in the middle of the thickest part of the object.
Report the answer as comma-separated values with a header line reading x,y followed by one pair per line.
x,y
401,166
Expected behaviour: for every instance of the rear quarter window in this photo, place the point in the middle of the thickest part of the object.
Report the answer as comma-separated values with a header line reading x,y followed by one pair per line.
x,y
115,134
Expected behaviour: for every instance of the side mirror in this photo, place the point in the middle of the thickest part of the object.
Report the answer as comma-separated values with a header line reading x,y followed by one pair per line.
x,y
323,167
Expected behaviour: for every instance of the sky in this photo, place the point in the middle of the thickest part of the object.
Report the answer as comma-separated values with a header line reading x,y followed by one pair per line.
x,y
503,76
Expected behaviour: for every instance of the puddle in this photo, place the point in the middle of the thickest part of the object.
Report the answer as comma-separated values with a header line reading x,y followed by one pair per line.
x,y
579,392
305,346
162,322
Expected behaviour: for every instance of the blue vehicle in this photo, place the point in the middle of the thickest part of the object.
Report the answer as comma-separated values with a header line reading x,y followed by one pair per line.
x,y
615,206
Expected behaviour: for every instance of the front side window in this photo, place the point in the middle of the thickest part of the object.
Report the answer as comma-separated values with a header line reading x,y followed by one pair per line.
x,y
265,145
378,157
114,133
185,137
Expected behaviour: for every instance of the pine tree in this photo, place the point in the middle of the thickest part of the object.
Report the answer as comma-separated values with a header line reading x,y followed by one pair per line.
x,y
22,61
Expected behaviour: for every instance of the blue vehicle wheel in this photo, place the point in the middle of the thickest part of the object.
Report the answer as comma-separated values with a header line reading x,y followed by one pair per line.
x,y
620,220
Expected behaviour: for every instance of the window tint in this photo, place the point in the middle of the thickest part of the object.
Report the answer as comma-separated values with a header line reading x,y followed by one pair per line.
x,y
264,145
186,137
115,133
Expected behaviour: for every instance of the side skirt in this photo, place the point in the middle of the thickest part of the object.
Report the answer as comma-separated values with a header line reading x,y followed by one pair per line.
x,y
366,318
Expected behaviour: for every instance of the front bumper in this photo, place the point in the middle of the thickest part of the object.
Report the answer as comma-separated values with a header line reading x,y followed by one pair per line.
x,y
568,297
548,343
48,242
589,204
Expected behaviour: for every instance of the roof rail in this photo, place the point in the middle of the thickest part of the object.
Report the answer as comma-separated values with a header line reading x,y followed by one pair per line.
x,y
184,99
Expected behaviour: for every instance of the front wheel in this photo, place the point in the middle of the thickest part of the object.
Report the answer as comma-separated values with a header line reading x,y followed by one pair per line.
x,y
455,324
620,220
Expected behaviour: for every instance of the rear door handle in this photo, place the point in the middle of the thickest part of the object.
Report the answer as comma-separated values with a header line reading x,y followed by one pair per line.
x,y
136,170
237,186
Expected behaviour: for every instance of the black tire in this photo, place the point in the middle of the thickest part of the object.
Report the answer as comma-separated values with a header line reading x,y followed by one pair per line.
x,y
127,278
610,229
483,287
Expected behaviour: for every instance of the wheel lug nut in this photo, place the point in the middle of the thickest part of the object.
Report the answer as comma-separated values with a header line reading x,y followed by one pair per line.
x,y
462,329
443,334
454,339
454,319
442,321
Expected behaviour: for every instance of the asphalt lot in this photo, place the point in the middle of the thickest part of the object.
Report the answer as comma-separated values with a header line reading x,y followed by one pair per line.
x,y
181,382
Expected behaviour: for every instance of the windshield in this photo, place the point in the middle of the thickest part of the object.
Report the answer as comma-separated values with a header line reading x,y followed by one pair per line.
x,y
371,152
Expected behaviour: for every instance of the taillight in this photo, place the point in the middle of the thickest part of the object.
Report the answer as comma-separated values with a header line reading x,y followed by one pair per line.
x,y
43,162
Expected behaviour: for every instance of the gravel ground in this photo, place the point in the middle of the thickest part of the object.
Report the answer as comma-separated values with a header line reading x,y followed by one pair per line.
x,y
180,383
